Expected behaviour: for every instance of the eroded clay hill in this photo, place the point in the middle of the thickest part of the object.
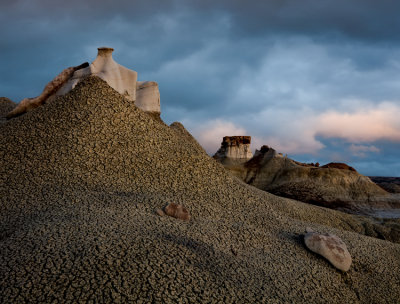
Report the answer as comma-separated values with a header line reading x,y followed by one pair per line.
x,y
390,184
80,179
6,105
334,185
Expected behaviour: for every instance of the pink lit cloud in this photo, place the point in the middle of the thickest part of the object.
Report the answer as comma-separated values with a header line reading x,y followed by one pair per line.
x,y
379,123
301,131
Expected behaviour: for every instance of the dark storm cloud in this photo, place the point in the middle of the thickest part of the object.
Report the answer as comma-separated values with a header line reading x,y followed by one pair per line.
x,y
145,34
376,20
278,70
357,19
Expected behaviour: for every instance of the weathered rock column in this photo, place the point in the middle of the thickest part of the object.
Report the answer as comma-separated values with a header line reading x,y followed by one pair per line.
x,y
120,78
148,97
235,148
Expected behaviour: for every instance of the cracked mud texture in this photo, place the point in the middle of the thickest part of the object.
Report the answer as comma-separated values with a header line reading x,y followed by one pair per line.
x,y
6,106
80,179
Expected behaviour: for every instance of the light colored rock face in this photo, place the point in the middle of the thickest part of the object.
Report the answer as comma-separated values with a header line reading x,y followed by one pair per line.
x,y
235,148
148,96
121,79
330,247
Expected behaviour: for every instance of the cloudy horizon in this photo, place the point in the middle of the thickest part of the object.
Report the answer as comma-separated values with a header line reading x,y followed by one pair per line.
x,y
317,80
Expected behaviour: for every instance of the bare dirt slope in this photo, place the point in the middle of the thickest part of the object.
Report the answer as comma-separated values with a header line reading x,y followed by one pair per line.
x,y
6,106
80,179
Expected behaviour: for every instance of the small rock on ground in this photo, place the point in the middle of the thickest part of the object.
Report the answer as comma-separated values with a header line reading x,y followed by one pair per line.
x,y
177,211
330,247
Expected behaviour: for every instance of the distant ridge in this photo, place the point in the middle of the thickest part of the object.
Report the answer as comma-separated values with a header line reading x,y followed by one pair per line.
x,y
334,185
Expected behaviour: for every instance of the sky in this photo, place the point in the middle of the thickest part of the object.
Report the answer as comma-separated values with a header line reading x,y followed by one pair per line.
x,y
318,80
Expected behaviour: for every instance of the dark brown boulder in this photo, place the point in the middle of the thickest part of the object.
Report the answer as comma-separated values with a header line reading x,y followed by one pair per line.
x,y
177,211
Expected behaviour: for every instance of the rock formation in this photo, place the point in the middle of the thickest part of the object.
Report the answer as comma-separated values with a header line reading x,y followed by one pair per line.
x,y
235,149
148,97
144,94
334,185
330,247
234,152
50,89
120,78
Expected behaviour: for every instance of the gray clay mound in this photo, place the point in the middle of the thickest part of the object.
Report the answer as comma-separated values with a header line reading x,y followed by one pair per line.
x,y
6,106
80,180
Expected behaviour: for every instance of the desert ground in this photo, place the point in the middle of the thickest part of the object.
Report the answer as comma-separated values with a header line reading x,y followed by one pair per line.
x,y
81,178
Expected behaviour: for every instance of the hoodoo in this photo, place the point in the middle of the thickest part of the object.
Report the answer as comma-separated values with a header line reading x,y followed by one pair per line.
x,y
148,97
234,153
120,78
143,94
234,148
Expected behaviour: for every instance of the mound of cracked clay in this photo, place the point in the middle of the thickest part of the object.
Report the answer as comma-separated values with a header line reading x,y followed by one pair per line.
x,y
6,106
80,178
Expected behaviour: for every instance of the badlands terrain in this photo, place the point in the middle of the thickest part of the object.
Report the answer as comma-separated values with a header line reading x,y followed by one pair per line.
x,y
334,185
390,184
81,179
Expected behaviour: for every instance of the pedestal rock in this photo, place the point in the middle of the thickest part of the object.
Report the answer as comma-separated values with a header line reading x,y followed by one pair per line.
x,y
148,96
235,148
120,78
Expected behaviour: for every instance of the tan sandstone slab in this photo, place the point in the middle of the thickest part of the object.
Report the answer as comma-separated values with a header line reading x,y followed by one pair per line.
x,y
330,247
